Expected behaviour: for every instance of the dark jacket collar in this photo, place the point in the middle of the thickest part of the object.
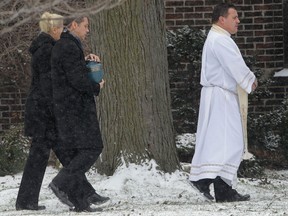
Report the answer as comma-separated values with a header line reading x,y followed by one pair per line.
x,y
68,35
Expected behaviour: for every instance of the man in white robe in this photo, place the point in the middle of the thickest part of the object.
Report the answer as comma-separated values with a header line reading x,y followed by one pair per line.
x,y
219,139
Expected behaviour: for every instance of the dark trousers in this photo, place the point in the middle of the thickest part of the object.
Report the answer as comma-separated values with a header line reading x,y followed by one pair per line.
x,y
34,170
33,174
72,179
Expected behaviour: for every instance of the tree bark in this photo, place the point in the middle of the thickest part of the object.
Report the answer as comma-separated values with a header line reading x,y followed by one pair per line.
x,y
134,105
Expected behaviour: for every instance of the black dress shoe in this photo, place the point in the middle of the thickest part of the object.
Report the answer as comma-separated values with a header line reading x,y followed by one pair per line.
x,y
203,187
234,196
96,199
88,209
62,196
29,207
225,193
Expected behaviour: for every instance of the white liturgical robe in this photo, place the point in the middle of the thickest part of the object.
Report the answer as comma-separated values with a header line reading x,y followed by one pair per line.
x,y
219,137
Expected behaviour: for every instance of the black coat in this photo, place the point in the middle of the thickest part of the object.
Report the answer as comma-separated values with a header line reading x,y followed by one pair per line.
x,y
73,96
39,120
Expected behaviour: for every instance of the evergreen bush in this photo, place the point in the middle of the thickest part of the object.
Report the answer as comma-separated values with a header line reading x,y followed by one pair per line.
x,y
283,128
267,133
264,138
184,58
13,151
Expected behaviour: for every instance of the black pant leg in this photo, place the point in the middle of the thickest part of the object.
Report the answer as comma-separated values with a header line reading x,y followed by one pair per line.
x,y
65,156
71,179
33,174
83,162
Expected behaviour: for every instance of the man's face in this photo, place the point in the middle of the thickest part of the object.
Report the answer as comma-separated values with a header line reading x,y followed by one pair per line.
x,y
82,29
230,23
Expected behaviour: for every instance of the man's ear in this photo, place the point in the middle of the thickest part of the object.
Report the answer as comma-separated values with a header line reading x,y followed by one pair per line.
x,y
221,19
74,24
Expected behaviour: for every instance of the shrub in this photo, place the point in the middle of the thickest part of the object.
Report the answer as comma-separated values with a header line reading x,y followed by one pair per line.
x,y
283,131
184,58
185,45
13,151
265,141
251,169
267,133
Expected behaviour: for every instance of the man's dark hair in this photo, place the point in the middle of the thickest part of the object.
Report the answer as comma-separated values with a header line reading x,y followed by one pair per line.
x,y
221,10
68,21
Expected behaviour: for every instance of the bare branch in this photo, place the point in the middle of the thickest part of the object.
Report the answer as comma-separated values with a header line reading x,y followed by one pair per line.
x,y
14,13
4,2
10,28
27,9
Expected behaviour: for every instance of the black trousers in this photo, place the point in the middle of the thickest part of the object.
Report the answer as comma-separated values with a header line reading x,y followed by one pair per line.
x,y
71,179
34,170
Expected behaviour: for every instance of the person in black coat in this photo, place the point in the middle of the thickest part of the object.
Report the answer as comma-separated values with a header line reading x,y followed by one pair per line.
x,y
79,138
39,121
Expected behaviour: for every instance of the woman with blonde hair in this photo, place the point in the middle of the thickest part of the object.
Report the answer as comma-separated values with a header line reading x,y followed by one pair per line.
x,y
39,118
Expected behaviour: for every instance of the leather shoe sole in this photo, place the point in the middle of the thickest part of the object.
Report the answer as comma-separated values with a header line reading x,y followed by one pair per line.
x,y
30,207
88,209
235,198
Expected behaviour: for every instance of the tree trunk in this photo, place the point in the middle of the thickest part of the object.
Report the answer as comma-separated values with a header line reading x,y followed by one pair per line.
x,y
134,105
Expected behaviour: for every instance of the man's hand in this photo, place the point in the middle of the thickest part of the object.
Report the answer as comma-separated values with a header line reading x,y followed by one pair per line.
x,y
254,85
92,57
102,83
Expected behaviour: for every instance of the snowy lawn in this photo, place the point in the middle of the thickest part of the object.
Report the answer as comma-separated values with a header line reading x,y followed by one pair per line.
x,y
143,190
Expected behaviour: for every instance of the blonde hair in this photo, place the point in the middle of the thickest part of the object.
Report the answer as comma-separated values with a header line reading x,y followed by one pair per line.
x,y
49,21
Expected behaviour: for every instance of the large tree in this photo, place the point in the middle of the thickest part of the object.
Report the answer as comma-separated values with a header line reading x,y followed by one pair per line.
x,y
134,111
134,106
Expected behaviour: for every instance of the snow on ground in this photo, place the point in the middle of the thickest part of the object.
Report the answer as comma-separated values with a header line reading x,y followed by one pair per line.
x,y
143,190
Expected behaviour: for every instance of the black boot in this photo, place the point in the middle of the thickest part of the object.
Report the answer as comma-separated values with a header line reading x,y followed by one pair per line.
x,y
202,186
62,196
235,196
96,199
225,193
